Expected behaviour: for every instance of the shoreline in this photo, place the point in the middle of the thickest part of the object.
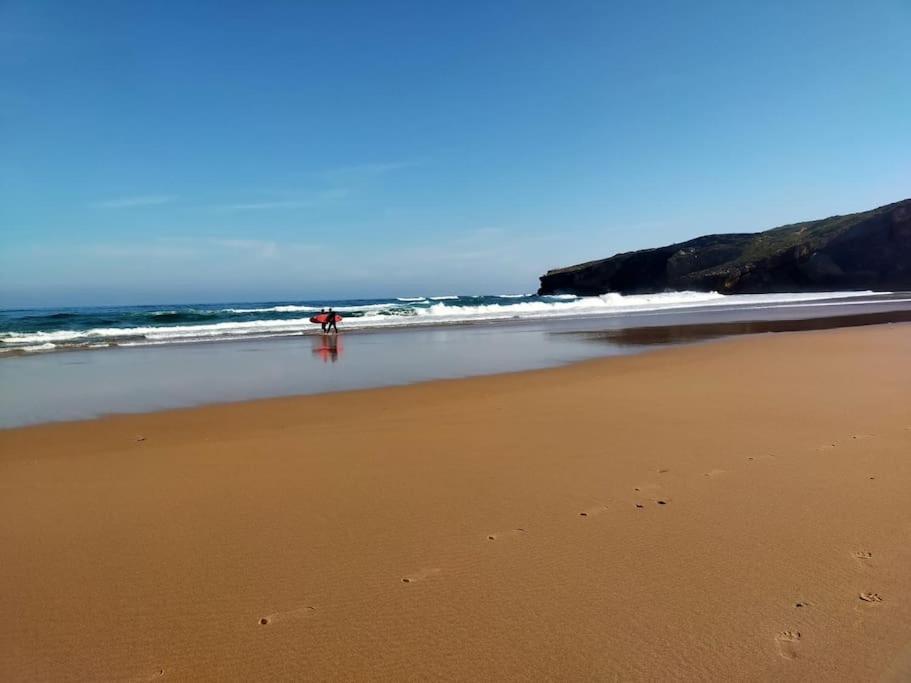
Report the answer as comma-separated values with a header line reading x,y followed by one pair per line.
x,y
60,387
731,510
176,336
696,333
897,307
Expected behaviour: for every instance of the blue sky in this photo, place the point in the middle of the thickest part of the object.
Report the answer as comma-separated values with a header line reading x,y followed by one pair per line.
x,y
214,151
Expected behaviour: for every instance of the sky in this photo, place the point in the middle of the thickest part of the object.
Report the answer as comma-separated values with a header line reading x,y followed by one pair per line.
x,y
178,152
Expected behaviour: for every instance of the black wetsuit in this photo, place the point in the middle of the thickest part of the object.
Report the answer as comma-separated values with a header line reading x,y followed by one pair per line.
x,y
330,321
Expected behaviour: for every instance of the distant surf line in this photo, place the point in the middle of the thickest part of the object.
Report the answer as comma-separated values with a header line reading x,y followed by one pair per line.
x,y
34,331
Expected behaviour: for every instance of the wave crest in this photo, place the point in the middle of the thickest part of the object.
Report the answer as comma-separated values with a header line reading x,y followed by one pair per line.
x,y
190,324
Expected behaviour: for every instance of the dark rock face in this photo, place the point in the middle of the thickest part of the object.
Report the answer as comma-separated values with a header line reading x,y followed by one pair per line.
x,y
869,250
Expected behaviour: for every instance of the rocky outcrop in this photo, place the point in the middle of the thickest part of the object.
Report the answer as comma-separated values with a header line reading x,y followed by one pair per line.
x,y
869,250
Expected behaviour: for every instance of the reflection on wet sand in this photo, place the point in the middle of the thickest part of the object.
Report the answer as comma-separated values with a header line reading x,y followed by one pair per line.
x,y
677,334
328,347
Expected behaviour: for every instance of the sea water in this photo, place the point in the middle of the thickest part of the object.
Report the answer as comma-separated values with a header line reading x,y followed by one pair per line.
x,y
43,330
80,363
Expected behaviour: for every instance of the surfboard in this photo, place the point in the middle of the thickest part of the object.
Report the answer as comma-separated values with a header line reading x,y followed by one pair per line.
x,y
321,318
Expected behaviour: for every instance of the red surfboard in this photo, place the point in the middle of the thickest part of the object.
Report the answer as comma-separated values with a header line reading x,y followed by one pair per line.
x,y
321,318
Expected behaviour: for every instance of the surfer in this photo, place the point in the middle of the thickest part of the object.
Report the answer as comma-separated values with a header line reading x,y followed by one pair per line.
x,y
330,323
328,320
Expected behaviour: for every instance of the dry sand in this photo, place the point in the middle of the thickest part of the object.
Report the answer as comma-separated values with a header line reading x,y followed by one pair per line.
x,y
739,510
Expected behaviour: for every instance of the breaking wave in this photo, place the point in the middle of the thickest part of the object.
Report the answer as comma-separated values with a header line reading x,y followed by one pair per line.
x,y
31,331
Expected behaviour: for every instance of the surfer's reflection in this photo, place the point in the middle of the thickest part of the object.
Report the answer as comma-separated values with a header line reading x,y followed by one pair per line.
x,y
328,346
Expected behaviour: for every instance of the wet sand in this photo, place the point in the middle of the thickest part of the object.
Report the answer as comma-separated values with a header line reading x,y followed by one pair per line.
x,y
694,332
79,385
730,511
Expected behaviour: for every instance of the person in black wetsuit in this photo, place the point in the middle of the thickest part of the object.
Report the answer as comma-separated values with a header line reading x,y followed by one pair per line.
x,y
330,321
322,311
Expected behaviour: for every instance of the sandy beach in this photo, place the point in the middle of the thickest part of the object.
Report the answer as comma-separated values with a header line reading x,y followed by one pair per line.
x,y
735,510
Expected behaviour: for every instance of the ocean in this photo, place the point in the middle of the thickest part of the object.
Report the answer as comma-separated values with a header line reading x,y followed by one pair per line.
x,y
29,331
79,363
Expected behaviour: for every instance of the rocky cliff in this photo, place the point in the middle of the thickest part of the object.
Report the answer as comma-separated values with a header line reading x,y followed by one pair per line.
x,y
869,250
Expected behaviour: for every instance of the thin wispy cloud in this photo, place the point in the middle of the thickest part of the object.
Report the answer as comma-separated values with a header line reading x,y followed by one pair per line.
x,y
153,250
259,248
369,169
264,249
266,206
132,202
301,202
270,206
182,248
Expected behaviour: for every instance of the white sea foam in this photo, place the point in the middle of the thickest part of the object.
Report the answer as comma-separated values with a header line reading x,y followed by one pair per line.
x,y
450,297
39,347
411,299
270,309
31,348
398,315
292,308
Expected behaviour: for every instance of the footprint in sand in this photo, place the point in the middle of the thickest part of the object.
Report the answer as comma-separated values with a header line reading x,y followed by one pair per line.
x,y
827,447
861,437
153,676
868,603
788,642
862,555
711,474
501,535
648,491
663,471
278,617
593,511
657,501
651,500
420,576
